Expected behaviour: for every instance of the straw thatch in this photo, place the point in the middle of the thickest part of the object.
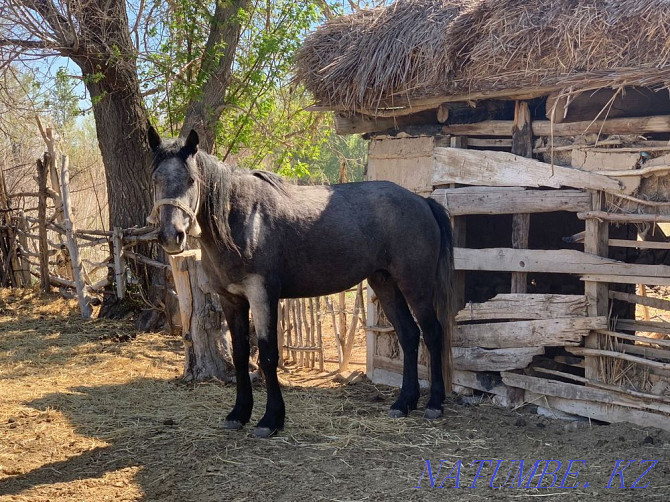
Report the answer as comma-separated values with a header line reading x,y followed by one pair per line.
x,y
359,59
420,49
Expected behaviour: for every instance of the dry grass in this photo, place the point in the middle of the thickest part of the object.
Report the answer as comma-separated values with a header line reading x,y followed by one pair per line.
x,y
84,417
418,48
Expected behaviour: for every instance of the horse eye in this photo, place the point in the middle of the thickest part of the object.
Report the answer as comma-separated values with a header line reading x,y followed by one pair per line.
x,y
191,181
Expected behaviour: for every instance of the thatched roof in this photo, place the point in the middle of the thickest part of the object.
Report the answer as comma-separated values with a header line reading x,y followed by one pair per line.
x,y
415,50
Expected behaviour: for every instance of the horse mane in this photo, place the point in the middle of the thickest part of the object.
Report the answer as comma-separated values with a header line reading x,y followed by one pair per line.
x,y
216,175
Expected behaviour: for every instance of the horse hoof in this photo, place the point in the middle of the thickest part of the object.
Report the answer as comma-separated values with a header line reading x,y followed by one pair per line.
x,y
264,432
396,413
432,414
232,425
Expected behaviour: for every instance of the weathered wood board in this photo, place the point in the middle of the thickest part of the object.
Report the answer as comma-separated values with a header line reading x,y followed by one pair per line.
x,y
489,168
510,200
479,359
561,261
524,307
545,332
405,161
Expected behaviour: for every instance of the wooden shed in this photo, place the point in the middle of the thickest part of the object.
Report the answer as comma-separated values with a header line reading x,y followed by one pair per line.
x,y
543,126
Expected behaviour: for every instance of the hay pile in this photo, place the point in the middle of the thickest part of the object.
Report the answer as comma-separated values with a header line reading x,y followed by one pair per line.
x,y
417,49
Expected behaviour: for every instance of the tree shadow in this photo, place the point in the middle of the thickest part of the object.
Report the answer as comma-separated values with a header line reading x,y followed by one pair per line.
x,y
171,433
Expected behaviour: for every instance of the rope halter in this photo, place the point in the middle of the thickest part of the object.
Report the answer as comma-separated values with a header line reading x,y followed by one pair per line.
x,y
193,229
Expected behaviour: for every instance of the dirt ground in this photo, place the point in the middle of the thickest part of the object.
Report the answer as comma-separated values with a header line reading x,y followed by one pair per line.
x,y
92,412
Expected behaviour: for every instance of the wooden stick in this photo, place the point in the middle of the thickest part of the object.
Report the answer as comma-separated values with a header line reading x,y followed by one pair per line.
x,y
119,263
656,303
584,351
624,243
84,306
635,338
624,218
42,168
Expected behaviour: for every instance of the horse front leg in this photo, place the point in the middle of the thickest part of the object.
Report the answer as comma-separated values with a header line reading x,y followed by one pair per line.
x,y
236,310
264,301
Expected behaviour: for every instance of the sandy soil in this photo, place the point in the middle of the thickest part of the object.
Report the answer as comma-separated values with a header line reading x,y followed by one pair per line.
x,y
91,411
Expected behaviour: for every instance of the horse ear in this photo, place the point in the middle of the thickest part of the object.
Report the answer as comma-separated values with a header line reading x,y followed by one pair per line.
x,y
154,139
192,141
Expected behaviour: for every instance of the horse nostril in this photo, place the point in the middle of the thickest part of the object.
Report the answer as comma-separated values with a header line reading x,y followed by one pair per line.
x,y
180,237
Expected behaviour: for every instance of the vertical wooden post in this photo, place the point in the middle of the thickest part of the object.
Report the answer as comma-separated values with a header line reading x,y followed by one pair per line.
x,y
459,225
22,226
57,195
522,145
597,293
207,354
42,166
71,240
119,263
319,334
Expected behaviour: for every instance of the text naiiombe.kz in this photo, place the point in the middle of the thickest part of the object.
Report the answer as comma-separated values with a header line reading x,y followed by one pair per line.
x,y
531,474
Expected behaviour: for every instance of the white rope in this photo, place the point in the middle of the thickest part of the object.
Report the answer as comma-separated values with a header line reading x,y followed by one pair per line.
x,y
194,228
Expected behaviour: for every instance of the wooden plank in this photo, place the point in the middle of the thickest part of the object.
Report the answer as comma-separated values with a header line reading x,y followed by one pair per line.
x,y
479,359
560,261
624,243
405,161
545,332
489,168
524,307
577,392
647,301
510,200
645,351
627,279
600,411
637,125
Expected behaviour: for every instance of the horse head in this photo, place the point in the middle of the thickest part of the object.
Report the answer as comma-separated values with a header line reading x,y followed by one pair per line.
x,y
176,183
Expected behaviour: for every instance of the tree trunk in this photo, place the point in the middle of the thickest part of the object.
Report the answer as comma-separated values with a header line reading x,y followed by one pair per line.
x,y
204,111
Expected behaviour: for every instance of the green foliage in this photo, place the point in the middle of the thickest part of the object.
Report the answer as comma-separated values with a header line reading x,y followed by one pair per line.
x,y
61,102
263,123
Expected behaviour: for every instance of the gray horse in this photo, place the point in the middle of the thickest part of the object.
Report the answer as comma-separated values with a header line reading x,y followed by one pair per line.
x,y
264,239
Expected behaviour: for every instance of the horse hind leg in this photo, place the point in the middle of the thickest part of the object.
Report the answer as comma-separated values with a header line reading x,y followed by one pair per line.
x,y
395,307
420,301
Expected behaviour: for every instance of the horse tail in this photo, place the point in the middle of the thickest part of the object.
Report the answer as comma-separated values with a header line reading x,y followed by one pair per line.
x,y
444,299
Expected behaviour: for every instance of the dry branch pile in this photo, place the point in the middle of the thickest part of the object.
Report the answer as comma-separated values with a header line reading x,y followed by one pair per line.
x,y
418,49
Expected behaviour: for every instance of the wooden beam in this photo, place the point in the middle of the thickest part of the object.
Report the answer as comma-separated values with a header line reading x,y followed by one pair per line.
x,y
634,125
545,332
510,200
489,168
595,243
488,382
577,392
524,307
559,261
600,411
